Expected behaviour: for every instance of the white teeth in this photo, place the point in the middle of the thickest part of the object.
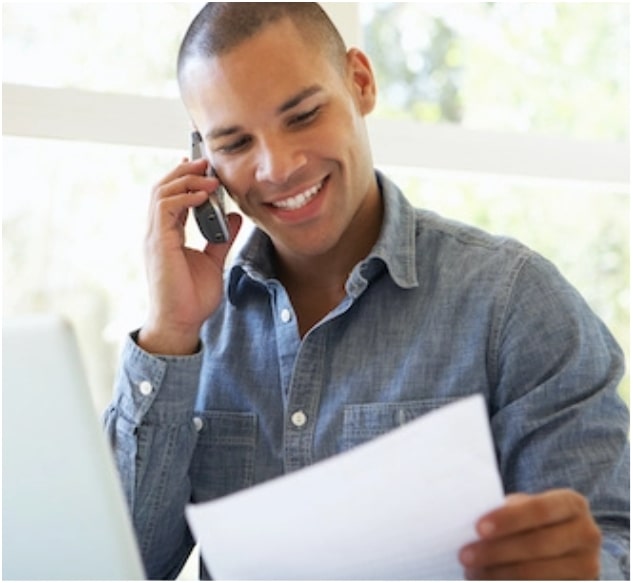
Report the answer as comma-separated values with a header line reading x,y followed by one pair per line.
x,y
296,202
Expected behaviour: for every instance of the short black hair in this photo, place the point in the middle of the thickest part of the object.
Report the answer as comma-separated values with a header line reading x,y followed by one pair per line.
x,y
221,26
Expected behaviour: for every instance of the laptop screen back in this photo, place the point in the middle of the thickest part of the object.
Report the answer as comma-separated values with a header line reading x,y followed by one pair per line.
x,y
64,516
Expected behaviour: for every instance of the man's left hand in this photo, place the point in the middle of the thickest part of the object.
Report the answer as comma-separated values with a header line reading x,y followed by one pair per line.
x,y
551,535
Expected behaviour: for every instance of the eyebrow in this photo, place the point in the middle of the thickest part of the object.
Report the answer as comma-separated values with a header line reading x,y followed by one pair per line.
x,y
285,106
299,97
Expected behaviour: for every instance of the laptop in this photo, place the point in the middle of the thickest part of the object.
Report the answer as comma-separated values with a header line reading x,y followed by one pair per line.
x,y
64,516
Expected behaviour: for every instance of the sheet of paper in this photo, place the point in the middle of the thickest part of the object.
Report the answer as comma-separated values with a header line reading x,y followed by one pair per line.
x,y
398,507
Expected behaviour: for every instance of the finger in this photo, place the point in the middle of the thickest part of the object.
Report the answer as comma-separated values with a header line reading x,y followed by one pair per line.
x,y
562,538
567,567
235,224
171,212
525,512
184,184
185,167
516,498
187,176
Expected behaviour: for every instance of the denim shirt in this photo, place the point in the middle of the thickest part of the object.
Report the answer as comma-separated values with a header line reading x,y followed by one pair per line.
x,y
437,311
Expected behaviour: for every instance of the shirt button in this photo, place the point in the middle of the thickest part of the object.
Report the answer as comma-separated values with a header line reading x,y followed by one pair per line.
x,y
298,418
198,423
285,315
145,387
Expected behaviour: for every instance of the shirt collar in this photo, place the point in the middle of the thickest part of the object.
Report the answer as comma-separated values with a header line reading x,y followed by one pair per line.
x,y
394,250
395,247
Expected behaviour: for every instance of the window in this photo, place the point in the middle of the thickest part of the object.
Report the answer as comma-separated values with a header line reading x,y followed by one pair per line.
x,y
119,47
512,116
549,68
73,239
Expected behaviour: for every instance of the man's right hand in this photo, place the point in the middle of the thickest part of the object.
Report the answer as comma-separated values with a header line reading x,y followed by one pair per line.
x,y
185,284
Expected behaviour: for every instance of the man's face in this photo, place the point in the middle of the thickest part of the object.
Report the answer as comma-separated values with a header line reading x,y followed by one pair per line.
x,y
285,132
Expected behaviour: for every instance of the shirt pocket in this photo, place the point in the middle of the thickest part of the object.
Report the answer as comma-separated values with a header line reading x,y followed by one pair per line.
x,y
224,458
364,422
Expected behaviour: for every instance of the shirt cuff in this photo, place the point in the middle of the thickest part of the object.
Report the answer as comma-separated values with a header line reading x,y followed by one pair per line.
x,y
156,388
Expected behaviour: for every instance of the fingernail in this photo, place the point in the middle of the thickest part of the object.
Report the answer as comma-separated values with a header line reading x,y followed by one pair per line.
x,y
486,528
467,556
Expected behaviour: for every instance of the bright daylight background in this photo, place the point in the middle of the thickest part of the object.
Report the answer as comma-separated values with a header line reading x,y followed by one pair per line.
x,y
512,116
555,76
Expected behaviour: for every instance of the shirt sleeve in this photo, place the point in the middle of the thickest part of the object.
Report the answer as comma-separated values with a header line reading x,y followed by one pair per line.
x,y
152,429
557,419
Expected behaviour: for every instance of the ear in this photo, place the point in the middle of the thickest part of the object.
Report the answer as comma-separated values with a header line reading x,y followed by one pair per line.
x,y
361,79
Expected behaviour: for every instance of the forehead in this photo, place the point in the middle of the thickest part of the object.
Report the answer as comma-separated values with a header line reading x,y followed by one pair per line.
x,y
263,70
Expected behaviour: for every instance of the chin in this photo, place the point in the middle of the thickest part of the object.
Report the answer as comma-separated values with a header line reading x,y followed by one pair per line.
x,y
307,244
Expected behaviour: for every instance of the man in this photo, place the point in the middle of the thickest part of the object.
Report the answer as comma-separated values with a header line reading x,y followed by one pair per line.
x,y
348,312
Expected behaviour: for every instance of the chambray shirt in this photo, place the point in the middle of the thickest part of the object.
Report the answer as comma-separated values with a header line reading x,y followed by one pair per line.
x,y
437,311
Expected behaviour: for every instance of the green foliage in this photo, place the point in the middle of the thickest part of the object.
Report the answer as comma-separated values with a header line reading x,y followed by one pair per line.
x,y
417,64
558,68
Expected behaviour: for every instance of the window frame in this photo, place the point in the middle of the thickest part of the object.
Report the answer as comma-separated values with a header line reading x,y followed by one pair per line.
x,y
96,117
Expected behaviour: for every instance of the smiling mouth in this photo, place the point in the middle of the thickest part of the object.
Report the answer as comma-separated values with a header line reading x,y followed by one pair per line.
x,y
300,200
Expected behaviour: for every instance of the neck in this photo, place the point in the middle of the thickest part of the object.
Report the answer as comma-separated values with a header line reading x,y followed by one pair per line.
x,y
333,267
316,284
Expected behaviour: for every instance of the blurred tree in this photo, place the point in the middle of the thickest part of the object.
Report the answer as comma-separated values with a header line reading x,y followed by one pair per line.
x,y
519,66
417,63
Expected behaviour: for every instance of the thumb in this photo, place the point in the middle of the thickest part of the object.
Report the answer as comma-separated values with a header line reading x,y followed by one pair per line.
x,y
221,250
516,498
235,221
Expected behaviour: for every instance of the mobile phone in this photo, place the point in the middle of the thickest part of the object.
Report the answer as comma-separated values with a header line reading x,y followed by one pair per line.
x,y
210,214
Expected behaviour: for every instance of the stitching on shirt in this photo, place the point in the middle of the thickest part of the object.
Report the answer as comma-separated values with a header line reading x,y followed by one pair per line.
x,y
498,319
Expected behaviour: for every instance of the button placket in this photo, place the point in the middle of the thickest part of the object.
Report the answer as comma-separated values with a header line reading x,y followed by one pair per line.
x,y
303,398
299,419
288,340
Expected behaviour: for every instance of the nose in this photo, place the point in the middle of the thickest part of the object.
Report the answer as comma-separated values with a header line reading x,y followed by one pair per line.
x,y
278,159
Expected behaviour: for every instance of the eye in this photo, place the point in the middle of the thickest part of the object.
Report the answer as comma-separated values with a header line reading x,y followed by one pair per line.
x,y
305,117
234,146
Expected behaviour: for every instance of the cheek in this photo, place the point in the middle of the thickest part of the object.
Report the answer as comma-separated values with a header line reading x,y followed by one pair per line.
x,y
338,141
351,131
234,176
239,200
